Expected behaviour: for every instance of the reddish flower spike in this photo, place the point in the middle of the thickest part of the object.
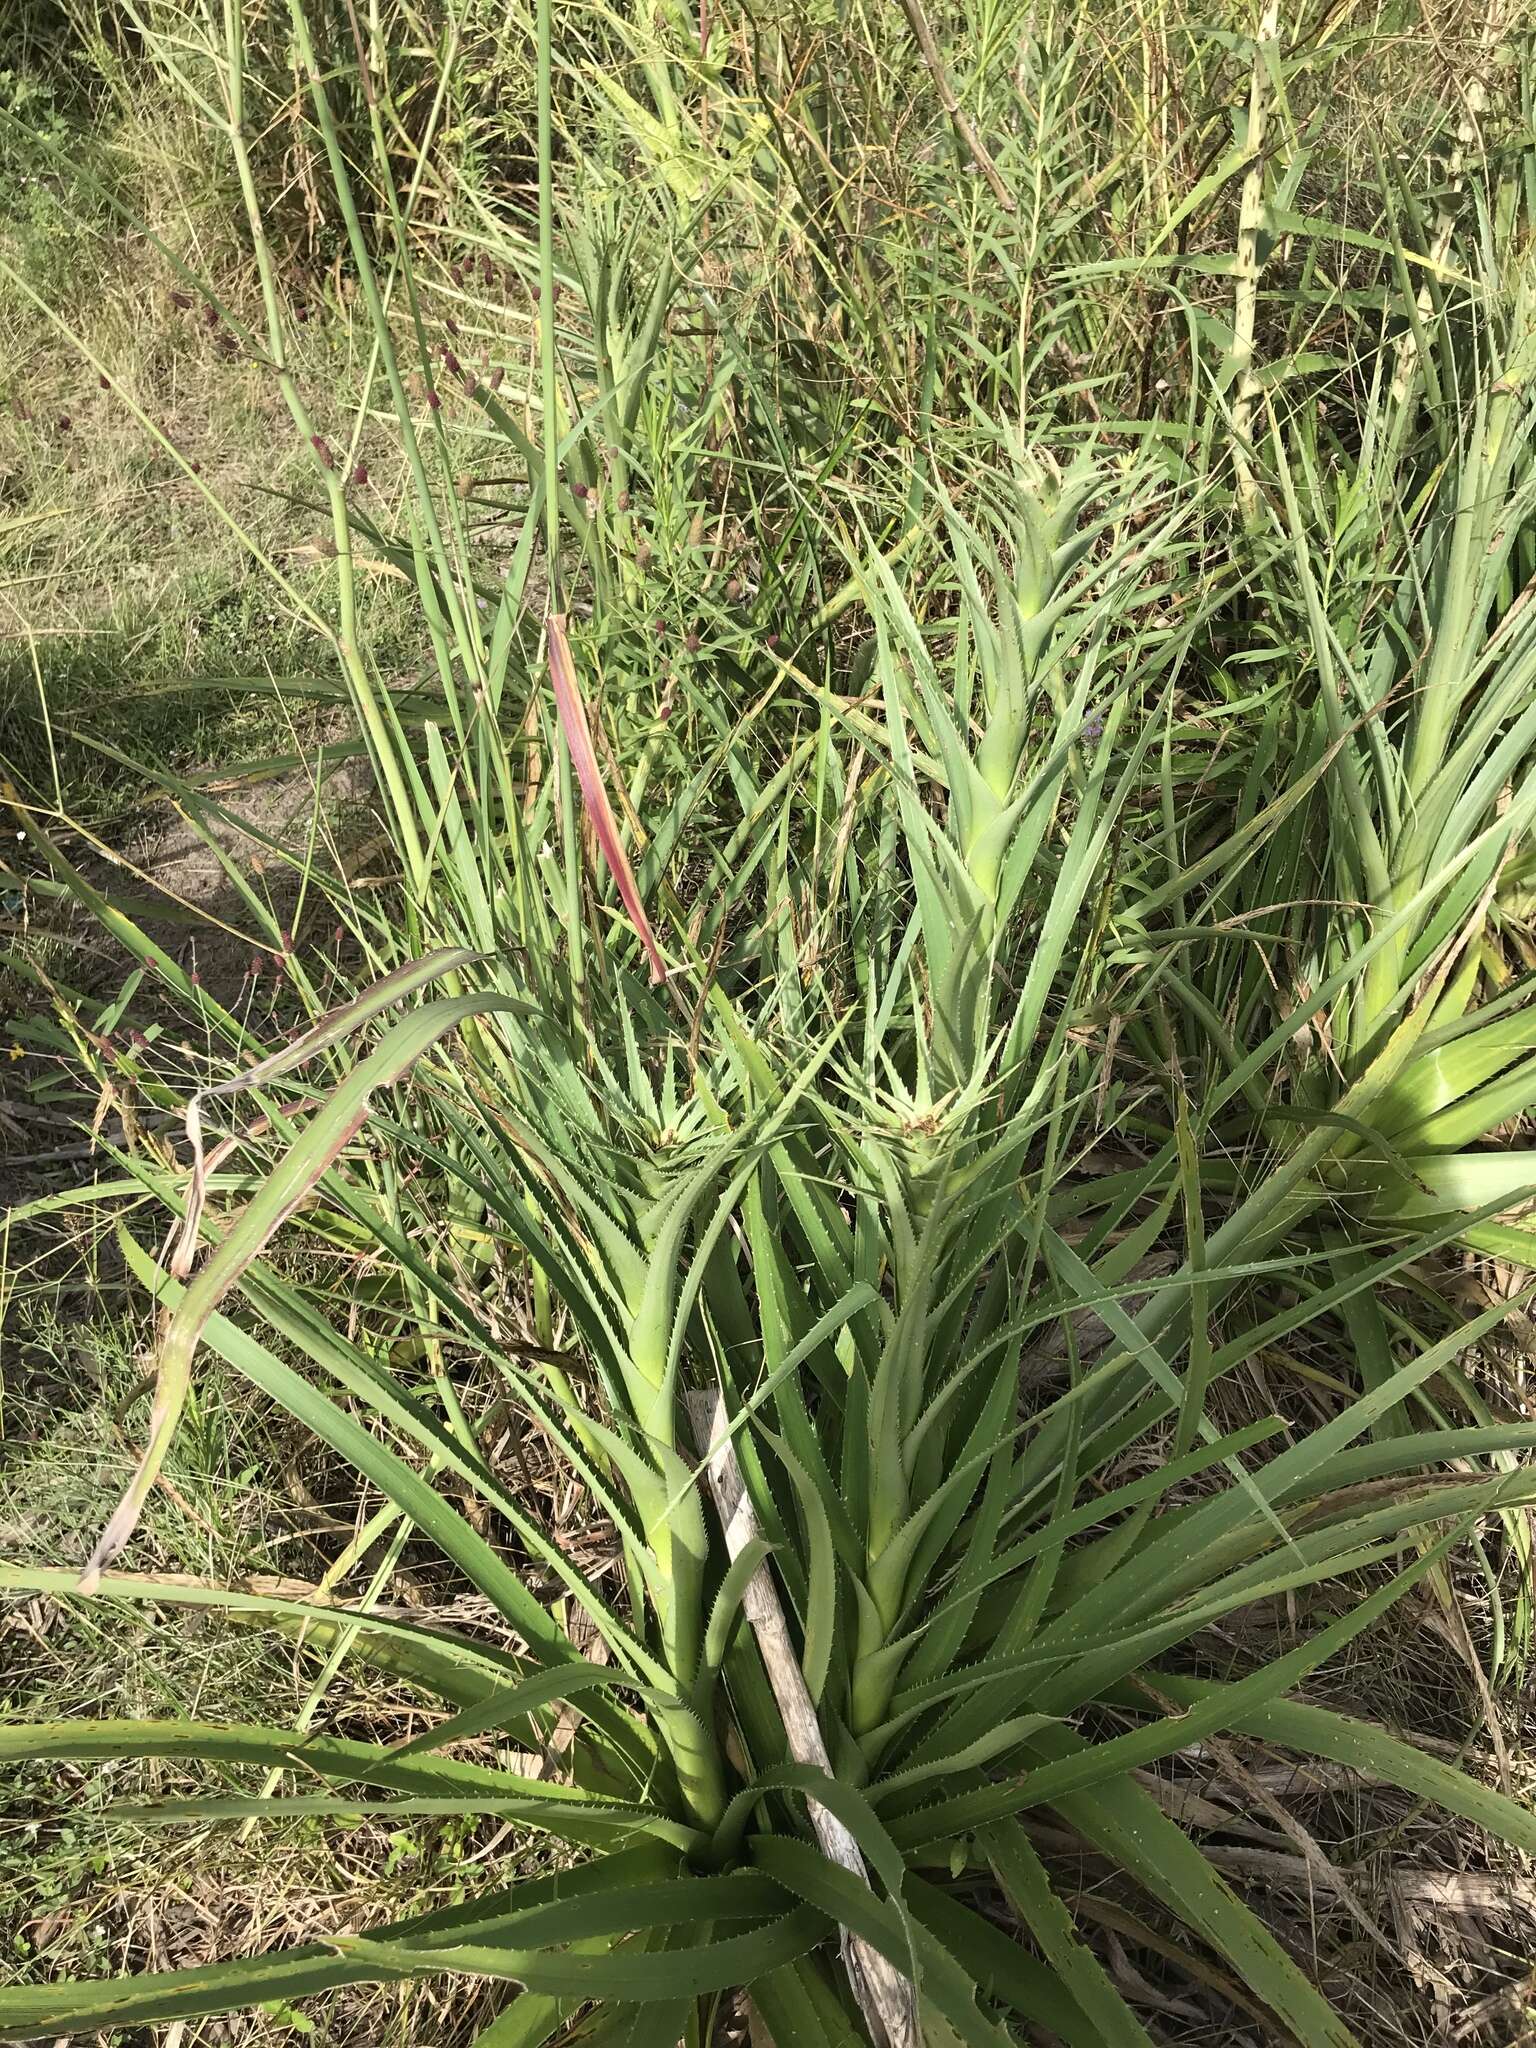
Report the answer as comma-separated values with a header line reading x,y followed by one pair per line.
x,y
578,737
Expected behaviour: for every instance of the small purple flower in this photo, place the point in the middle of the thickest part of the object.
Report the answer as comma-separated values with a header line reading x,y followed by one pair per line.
x,y
1093,727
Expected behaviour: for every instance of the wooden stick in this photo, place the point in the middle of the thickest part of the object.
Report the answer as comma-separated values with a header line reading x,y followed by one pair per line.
x,y
970,141
885,1996
1246,267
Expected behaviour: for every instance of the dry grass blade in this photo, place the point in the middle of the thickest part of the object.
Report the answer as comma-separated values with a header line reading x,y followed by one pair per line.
x,y
333,1028
296,1175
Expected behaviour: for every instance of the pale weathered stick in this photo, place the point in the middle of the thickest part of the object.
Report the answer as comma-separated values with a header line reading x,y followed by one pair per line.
x,y
885,1996
1246,269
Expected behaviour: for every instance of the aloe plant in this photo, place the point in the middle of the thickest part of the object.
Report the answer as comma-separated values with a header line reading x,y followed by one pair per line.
x,y
847,1223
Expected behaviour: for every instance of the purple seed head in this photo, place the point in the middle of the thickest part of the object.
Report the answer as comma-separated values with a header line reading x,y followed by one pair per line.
x,y
181,302
732,591
196,468
255,966
322,448
434,403
105,383
622,501
336,936
578,491
693,643
65,422
495,378
196,980
360,475
487,270
452,326
301,313
661,629
456,273
772,642
471,384
210,316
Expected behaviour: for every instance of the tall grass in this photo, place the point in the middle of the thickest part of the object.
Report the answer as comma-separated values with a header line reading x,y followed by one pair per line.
x,y
959,875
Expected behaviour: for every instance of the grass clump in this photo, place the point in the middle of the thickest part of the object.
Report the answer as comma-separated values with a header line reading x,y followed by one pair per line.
x,y
870,1180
